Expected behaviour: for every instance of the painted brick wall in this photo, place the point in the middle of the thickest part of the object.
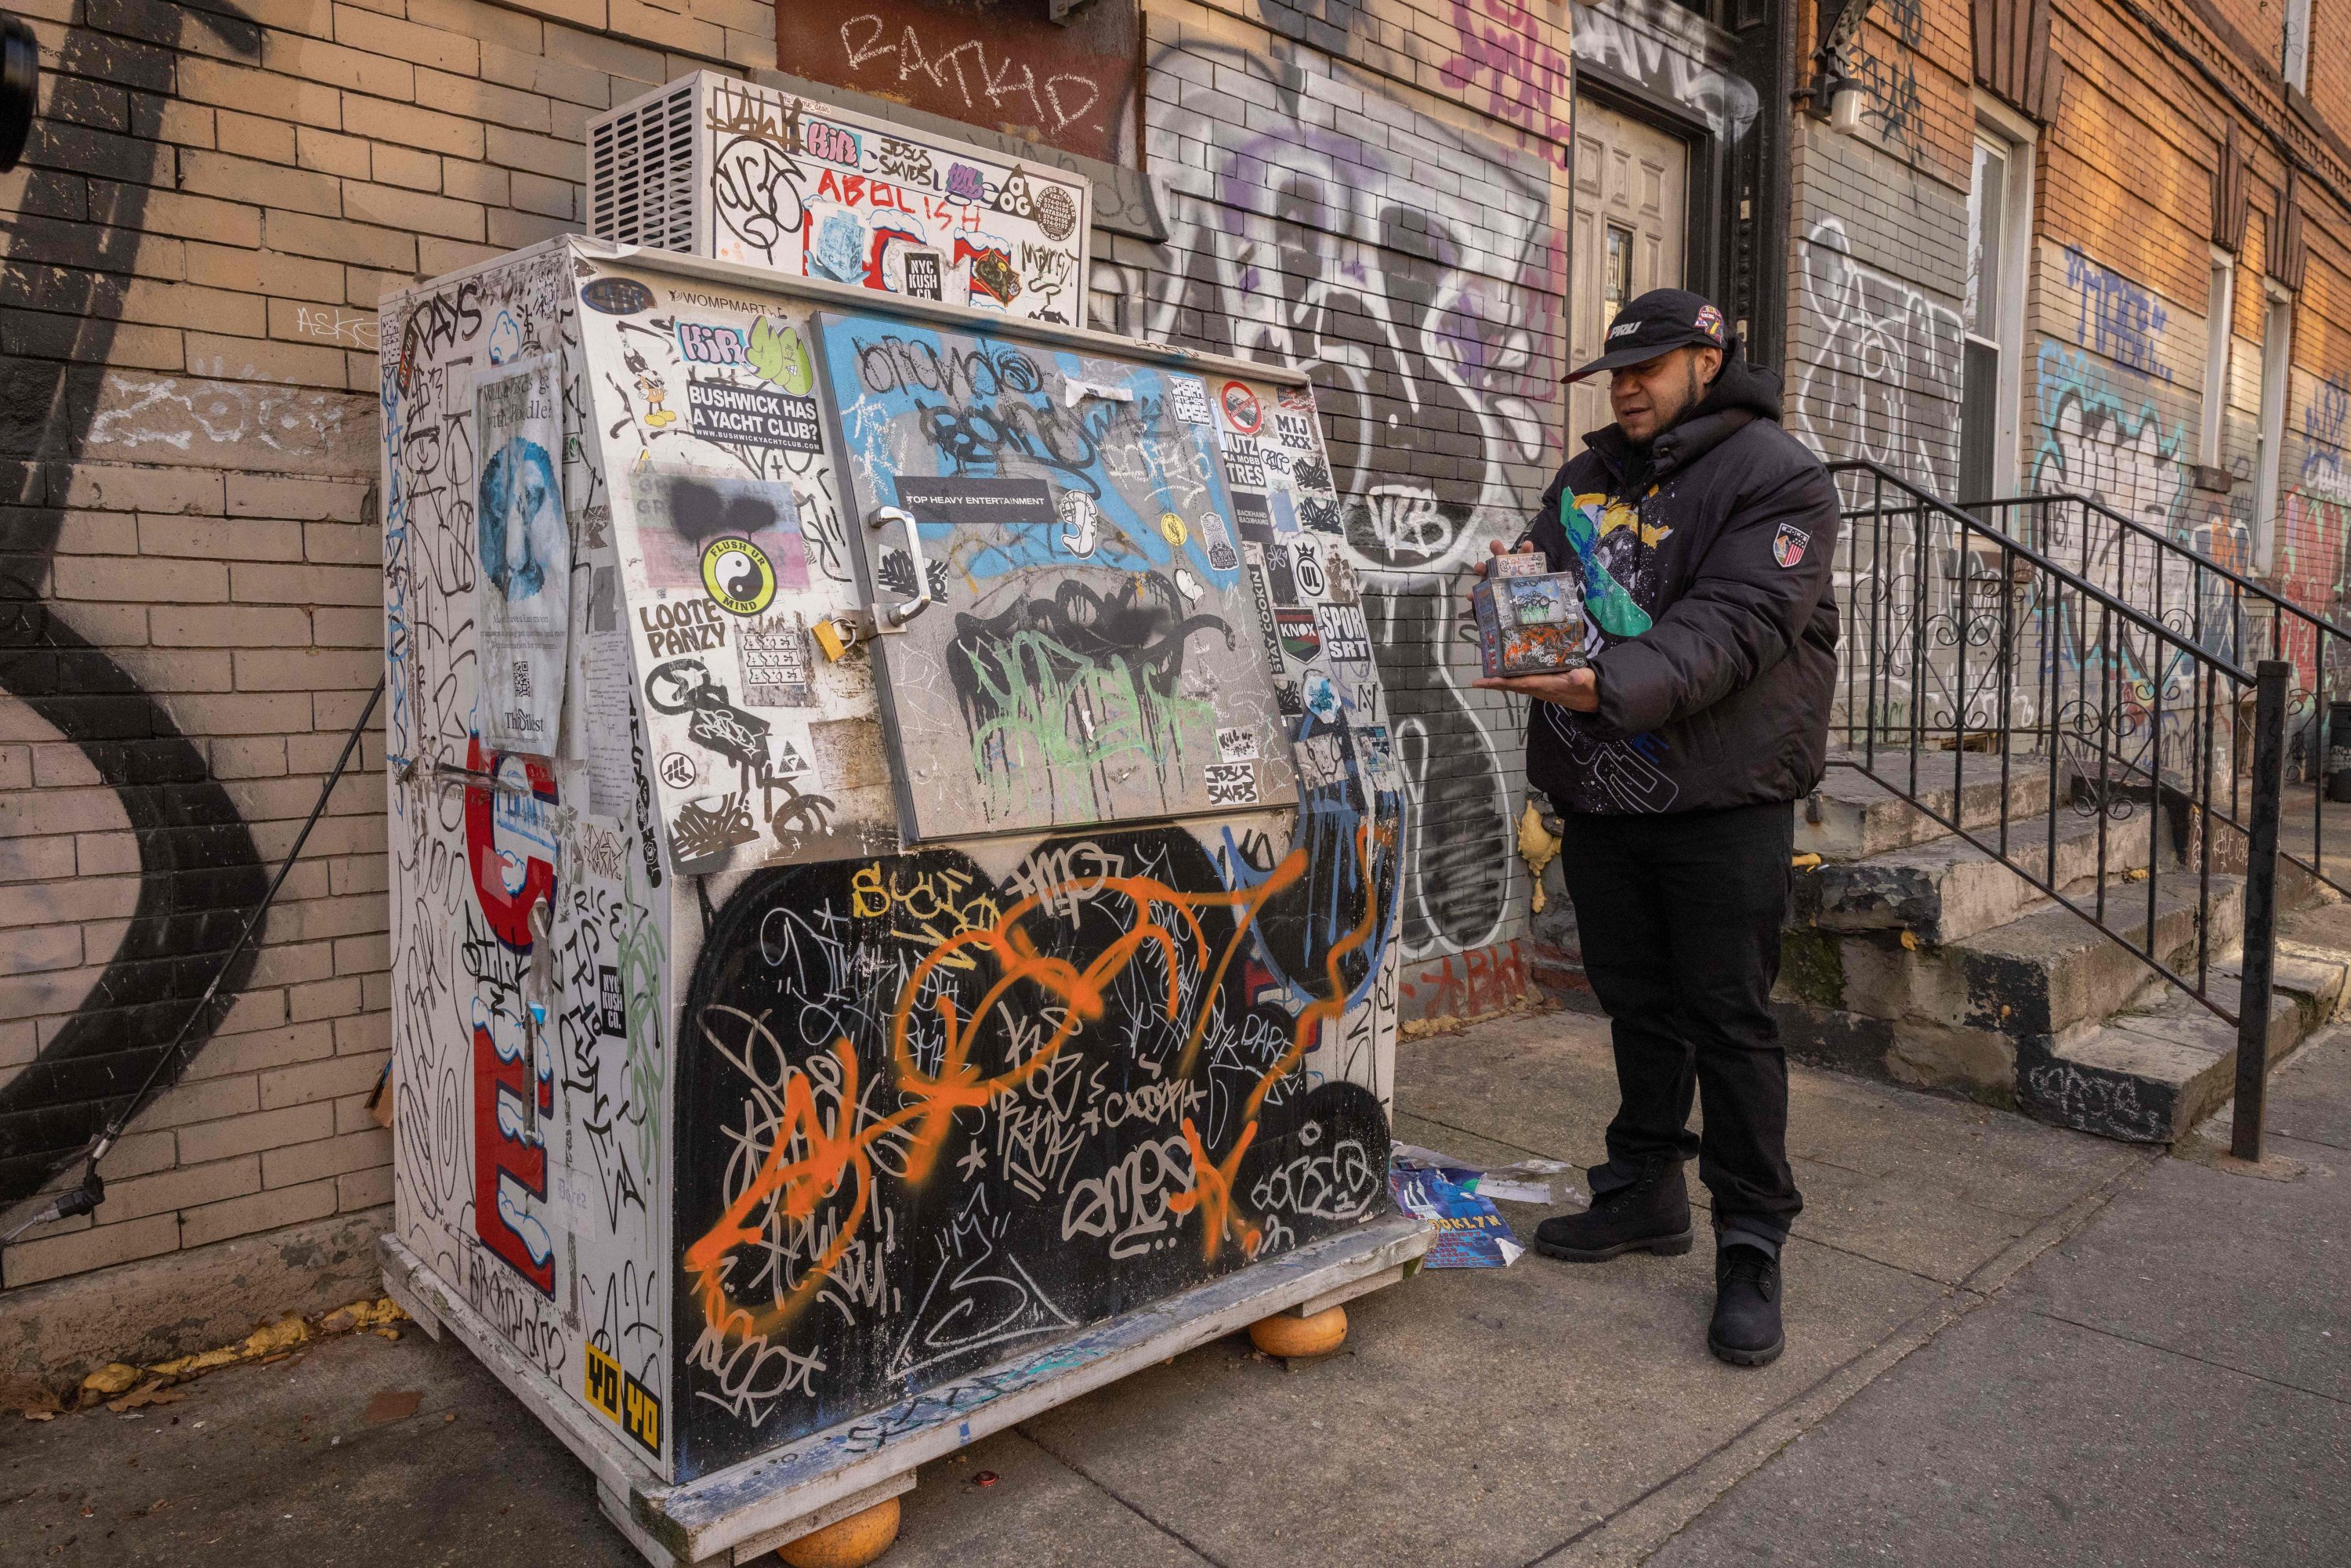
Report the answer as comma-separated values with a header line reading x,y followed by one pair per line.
x,y
2115,341
214,199
2124,289
217,198
1878,269
1877,265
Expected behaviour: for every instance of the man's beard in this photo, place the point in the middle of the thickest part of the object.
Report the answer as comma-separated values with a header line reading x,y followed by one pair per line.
x,y
1693,393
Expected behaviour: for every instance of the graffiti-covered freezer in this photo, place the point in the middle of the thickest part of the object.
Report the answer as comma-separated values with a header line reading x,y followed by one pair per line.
x,y
882,883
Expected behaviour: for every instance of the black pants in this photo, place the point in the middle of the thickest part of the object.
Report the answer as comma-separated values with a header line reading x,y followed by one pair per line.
x,y
1680,917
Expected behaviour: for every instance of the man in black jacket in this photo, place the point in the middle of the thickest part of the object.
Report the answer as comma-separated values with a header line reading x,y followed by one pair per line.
x,y
1703,533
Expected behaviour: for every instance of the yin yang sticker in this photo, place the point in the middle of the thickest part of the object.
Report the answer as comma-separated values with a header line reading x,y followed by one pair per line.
x,y
739,576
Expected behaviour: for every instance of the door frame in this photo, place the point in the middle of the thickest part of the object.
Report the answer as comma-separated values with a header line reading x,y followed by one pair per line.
x,y
1736,250
1701,182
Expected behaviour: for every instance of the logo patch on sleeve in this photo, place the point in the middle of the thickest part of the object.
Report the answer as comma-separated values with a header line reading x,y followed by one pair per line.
x,y
1788,545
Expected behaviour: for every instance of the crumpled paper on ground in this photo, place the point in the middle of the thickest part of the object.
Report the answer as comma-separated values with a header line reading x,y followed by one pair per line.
x,y
1550,1183
1470,1232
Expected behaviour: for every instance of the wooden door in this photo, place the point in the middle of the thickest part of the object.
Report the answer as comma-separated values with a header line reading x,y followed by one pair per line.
x,y
1632,197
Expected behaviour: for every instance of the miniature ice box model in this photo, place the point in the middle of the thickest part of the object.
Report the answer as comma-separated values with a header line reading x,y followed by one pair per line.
x,y
894,836
1531,619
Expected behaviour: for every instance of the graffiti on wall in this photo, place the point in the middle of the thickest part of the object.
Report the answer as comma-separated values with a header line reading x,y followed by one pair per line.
x,y
1066,81
1665,48
2314,535
199,869
2110,424
1431,325
1889,78
2100,440
1878,367
1504,68
2117,319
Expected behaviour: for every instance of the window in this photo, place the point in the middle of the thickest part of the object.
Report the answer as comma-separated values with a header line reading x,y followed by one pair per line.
x,y
1616,283
1986,189
2220,306
2277,358
2000,237
2297,44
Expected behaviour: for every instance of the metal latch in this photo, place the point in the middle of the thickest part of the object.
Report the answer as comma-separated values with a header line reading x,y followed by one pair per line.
x,y
538,990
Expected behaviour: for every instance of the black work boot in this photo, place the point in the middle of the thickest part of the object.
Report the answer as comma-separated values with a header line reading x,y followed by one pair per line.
x,y
1653,1215
1746,1327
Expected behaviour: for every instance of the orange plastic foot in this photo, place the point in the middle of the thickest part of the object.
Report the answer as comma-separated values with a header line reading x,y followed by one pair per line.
x,y
849,1542
1288,1336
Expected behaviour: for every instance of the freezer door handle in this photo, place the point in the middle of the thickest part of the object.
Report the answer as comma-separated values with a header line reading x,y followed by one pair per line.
x,y
893,617
538,987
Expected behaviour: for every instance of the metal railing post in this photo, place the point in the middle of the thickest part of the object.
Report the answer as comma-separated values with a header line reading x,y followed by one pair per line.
x,y
2259,963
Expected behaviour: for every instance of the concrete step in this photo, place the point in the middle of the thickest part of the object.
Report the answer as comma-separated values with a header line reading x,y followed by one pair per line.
x,y
2148,1070
2050,969
1954,1017
1852,817
2041,972
2153,1070
1950,889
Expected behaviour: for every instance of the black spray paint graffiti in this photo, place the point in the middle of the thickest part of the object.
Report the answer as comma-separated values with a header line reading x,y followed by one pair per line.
x,y
937,1118
1067,688
199,869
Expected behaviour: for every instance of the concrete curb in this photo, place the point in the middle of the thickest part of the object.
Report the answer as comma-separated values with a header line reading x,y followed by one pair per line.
x,y
56,1332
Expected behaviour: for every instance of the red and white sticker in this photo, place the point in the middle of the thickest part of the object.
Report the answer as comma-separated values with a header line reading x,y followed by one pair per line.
x,y
1242,410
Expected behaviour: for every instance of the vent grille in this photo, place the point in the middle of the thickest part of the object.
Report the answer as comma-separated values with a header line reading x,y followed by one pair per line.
x,y
640,172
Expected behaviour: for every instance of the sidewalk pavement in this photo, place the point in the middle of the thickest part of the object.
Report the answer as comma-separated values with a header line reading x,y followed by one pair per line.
x,y
2006,1343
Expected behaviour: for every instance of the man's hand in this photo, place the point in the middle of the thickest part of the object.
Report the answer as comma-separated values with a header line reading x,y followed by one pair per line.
x,y
1576,689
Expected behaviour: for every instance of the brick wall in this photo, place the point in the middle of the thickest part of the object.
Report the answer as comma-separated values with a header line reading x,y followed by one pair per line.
x,y
217,198
1878,265
2125,275
2115,340
214,199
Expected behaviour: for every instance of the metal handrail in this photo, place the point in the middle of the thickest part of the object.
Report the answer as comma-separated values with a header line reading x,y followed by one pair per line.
x,y
2178,547
2117,704
2032,556
2312,696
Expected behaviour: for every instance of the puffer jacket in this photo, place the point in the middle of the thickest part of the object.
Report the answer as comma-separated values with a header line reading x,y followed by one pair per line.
x,y
1713,621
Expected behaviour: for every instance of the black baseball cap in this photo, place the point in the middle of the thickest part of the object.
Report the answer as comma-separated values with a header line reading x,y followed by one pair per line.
x,y
1656,323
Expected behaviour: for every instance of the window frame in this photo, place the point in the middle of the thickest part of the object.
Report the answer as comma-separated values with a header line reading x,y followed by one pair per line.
x,y
2220,347
2018,140
2277,384
2293,62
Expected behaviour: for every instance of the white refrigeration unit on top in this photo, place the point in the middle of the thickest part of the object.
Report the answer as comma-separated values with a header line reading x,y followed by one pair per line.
x,y
715,166
894,823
